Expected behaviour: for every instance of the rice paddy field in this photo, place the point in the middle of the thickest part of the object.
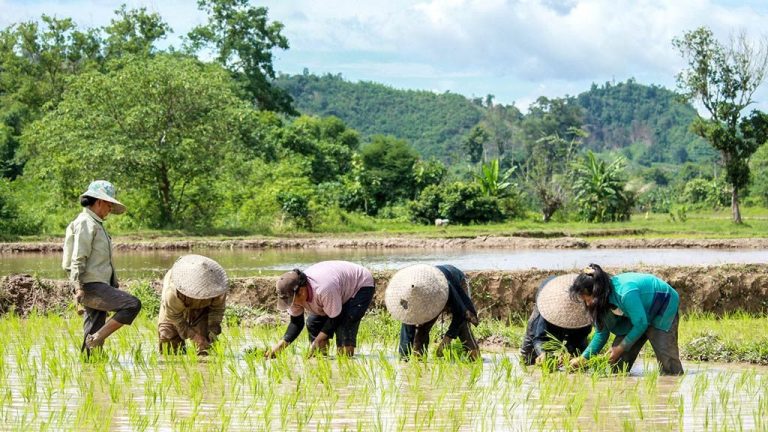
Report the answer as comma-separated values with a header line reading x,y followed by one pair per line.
x,y
45,384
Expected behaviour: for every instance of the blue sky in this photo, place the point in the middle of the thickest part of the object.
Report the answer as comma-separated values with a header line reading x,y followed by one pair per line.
x,y
516,50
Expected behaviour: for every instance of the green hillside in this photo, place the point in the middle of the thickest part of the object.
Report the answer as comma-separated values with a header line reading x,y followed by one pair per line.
x,y
647,123
433,123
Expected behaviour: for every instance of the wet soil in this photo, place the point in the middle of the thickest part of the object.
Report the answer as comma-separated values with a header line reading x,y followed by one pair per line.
x,y
501,242
498,294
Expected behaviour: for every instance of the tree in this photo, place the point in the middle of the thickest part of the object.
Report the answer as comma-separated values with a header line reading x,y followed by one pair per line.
x,y
724,79
243,39
474,143
134,32
548,167
388,171
158,128
599,189
759,164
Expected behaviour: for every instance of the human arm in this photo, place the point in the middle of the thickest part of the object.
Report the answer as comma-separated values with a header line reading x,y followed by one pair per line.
x,y
291,333
216,316
81,249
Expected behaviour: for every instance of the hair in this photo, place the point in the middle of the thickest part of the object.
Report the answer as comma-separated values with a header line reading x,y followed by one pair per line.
x,y
302,279
87,201
593,281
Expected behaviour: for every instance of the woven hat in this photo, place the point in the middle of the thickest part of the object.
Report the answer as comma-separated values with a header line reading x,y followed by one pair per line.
x,y
104,190
199,277
556,306
416,294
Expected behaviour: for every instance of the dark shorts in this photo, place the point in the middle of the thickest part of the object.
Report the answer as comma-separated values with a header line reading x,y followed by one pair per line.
x,y
349,319
98,298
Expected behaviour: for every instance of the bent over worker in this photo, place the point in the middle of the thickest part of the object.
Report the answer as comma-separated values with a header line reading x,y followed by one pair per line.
x,y
416,295
192,304
558,318
335,294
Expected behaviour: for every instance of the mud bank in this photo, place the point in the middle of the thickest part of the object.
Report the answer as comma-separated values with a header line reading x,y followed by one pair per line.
x,y
497,294
480,242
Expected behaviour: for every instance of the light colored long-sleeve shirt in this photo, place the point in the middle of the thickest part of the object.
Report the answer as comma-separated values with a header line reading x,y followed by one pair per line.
x,y
331,284
641,300
88,250
176,311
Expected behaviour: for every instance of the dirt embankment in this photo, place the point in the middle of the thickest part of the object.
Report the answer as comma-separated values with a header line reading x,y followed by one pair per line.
x,y
716,289
480,242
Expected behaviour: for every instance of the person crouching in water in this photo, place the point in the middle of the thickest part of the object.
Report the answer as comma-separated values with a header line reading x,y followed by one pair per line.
x,y
416,295
636,307
336,294
556,317
192,304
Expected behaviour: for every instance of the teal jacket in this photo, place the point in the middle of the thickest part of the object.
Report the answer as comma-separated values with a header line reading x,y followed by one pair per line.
x,y
641,300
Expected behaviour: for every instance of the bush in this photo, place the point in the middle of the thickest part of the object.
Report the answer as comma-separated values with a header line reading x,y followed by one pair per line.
x,y
462,203
150,299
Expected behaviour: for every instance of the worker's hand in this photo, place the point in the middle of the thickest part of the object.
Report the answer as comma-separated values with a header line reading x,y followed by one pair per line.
x,y
442,346
540,359
202,343
320,344
276,348
577,363
616,352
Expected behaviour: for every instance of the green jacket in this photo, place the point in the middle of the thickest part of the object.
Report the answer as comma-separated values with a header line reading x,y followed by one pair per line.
x,y
638,300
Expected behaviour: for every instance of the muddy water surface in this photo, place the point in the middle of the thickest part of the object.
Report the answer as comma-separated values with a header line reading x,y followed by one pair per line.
x,y
243,262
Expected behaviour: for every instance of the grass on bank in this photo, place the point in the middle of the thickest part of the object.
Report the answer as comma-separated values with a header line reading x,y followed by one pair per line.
x,y
696,225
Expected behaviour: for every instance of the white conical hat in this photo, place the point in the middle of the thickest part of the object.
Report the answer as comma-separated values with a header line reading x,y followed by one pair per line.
x,y
199,277
557,307
416,294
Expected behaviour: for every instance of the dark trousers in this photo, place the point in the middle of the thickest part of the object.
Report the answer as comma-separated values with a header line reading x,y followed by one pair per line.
x,y
99,298
348,320
664,345
415,338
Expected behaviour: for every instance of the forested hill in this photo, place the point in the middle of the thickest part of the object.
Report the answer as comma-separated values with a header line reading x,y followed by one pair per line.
x,y
647,122
432,123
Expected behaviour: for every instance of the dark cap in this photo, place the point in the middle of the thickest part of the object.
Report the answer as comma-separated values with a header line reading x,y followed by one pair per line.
x,y
288,286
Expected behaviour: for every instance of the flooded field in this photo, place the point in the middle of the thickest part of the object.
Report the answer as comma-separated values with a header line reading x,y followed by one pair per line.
x,y
46,386
244,262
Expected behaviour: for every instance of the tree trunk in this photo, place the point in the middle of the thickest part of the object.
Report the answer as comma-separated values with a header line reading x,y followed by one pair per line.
x,y
735,212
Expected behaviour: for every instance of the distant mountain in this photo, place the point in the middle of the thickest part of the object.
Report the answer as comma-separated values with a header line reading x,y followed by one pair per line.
x,y
647,123
433,123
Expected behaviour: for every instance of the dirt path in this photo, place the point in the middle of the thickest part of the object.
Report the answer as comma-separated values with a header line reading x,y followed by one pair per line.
x,y
480,242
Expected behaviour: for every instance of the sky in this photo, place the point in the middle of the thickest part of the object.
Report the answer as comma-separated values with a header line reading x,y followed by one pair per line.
x,y
516,50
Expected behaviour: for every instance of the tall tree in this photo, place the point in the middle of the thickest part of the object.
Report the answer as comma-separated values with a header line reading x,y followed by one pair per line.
x,y
159,128
724,80
134,32
243,39
474,143
388,171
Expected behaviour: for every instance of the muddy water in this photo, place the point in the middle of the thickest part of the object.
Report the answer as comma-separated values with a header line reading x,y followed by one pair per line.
x,y
373,392
241,262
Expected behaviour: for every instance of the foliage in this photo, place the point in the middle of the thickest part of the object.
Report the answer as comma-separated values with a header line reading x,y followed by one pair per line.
x,y
759,164
548,167
296,206
491,181
474,143
134,33
711,193
724,79
388,171
459,202
599,190
159,126
150,299
244,38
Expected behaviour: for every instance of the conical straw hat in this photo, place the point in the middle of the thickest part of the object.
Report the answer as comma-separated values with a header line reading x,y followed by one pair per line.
x,y
199,277
556,306
416,294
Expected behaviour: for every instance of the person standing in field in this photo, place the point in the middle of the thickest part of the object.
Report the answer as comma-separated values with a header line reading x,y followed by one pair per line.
x,y
335,294
636,307
192,304
87,259
416,295
556,317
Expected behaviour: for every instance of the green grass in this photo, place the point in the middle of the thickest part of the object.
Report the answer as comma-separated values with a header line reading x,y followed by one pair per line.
x,y
701,224
46,385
